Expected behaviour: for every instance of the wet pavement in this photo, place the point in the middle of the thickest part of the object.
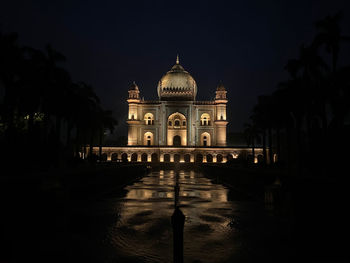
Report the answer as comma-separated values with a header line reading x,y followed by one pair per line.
x,y
221,225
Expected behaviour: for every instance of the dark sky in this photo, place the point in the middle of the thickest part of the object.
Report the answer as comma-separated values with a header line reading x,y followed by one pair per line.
x,y
109,44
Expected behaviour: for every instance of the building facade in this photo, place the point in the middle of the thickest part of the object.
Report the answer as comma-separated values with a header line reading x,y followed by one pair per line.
x,y
176,118
176,127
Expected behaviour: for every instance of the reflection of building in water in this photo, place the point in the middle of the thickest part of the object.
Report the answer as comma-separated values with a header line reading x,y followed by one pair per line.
x,y
176,127
144,223
186,191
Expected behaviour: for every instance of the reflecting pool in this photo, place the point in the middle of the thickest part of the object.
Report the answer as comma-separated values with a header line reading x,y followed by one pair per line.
x,y
220,226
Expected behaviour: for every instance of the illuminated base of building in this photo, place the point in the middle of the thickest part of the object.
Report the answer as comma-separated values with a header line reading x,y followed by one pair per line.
x,y
170,154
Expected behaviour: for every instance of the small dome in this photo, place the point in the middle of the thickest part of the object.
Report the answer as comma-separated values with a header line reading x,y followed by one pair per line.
x,y
134,86
177,84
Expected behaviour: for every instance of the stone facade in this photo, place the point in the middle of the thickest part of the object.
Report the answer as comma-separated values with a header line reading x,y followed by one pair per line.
x,y
176,127
176,118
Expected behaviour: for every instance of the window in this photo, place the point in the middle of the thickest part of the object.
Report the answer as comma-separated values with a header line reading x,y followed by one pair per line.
x,y
177,123
205,119
184,123
149,119
170,123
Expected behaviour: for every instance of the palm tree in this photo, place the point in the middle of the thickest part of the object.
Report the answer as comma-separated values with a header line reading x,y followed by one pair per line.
x,y
251,133
330,35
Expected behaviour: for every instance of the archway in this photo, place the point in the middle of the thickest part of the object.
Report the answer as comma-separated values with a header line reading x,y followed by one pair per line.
x,y
134,157
187,158
154,158
176,158
167,158
177,129
149,119
124,157
114,157
205,119
148,139
144,157
177,140
219,158
209,158
199,158
205,139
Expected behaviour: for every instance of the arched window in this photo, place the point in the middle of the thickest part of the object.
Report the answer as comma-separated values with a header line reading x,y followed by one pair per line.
x,y
205,119
176,133
149,119
148,139
205,139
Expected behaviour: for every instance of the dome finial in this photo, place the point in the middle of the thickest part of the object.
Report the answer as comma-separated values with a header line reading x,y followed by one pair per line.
x,y
177,59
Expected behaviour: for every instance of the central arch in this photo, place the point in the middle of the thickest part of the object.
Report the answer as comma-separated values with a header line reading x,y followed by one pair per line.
x,y
177,140
177,129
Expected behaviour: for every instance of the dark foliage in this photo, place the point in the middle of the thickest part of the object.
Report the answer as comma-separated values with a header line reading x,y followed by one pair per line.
x,y
45,118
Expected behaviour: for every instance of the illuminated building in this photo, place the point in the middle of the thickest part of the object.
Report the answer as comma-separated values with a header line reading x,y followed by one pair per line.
x,y
176,118
176,127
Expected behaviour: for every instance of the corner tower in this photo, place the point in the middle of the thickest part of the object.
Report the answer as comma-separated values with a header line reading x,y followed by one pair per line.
x,y
133,116
220,118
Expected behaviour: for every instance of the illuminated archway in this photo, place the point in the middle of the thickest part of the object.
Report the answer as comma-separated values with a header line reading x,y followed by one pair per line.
x,y
177,128
205,119
148,139
149,119
205,139
177,140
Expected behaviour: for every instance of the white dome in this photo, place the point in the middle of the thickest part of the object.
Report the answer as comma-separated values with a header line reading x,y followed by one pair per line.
x,y
177,84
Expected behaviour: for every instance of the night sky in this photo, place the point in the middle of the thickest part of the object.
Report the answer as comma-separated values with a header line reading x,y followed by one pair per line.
x,y
109,44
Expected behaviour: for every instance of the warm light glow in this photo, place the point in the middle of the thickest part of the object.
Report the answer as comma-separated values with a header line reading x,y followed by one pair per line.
x,y
149,119
205,139
148,139
177,126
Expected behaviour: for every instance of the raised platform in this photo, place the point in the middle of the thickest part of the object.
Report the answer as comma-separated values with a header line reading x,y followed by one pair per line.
x,y
182,154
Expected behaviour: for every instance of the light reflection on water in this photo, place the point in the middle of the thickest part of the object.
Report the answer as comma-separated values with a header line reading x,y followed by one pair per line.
x,y
143,231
